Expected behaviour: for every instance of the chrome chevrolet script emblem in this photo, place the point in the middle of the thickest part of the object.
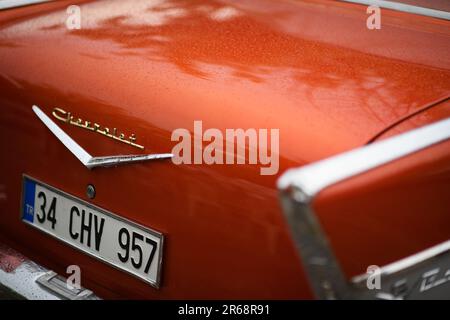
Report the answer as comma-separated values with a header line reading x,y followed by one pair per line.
x,y
67,117
82,155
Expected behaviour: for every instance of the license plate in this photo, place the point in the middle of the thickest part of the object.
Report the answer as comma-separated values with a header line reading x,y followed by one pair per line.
x,y
108,237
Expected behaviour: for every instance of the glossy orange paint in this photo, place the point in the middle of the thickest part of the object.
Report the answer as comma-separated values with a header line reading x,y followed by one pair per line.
x,y
309,68
429,114
393,211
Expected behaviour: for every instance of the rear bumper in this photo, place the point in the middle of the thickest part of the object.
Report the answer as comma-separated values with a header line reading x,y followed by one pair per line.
x,y
21,278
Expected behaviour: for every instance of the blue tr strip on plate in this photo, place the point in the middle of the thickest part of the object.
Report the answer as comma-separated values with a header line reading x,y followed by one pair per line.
x,y
28,205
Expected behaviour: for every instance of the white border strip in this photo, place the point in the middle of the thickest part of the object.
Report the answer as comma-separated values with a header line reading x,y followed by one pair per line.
x,y
70,144
7,4
404,8
314,177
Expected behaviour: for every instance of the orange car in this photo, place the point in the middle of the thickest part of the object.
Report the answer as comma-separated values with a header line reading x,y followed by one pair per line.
x,y
225,149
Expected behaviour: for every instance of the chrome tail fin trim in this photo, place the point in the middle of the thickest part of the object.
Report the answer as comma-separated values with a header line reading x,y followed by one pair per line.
x,y
298,188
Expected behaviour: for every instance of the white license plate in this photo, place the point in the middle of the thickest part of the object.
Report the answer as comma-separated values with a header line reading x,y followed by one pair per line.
x,y
117,241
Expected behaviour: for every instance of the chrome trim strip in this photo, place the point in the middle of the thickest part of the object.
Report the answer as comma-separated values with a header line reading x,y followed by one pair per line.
x,y
121,159
325,276
411,277
24,281
7,4
404,8
410,261
313,178
58,284
85,158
